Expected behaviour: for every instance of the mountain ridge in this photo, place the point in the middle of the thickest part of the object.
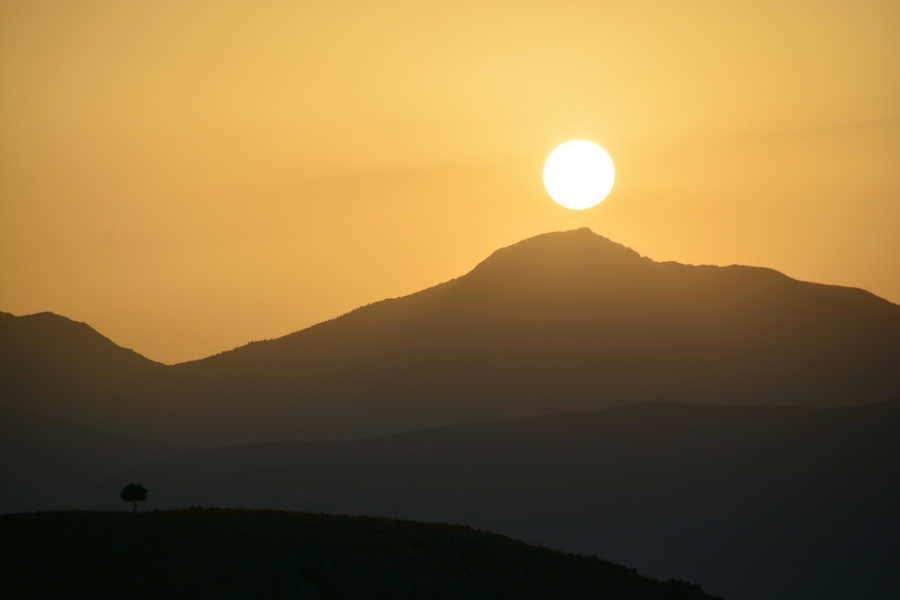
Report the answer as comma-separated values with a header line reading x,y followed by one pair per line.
x,y
48,362
558,322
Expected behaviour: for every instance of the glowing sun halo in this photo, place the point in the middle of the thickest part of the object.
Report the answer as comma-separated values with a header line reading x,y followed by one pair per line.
x,y
578,174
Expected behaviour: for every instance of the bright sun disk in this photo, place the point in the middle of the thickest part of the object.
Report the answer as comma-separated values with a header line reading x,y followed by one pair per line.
x,y
578,174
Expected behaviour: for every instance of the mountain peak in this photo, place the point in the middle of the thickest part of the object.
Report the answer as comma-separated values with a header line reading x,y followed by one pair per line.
x,y
578,240
573,251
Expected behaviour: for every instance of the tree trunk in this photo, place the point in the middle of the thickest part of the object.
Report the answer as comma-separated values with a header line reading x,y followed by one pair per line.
x,y
135,507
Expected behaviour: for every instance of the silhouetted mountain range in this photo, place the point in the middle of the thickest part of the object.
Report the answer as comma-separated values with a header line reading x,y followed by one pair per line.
x,y
559,322
786,489
750,502
273,555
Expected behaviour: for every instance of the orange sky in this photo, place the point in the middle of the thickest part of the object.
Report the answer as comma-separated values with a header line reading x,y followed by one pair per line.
x,y
188,176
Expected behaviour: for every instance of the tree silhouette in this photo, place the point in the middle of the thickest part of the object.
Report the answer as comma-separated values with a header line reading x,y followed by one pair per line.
x,y
134,492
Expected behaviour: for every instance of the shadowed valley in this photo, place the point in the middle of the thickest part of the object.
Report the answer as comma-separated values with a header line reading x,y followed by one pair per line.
x,y
751,502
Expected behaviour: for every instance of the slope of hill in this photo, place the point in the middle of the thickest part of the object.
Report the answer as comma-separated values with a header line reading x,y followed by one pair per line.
x,y
239,554
751,502
559,322
50,463
53,365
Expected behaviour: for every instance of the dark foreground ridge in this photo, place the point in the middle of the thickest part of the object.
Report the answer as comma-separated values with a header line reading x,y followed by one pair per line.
x,y
215,553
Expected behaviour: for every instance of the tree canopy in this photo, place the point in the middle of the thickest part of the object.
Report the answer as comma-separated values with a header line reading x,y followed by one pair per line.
x,y
134,492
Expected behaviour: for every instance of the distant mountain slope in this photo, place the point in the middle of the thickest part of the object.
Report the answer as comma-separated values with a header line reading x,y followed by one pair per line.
x,y
751,502
559,322
51,364
240,554
48,463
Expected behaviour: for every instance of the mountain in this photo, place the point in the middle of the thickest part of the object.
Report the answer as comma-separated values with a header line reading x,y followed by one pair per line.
x,y
751,502
48,463
241,554
53,365
559,322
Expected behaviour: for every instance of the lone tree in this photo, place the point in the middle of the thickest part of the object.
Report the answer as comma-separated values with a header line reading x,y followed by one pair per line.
x,y
135,493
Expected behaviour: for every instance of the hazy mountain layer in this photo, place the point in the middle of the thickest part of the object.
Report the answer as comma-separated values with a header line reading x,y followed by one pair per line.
x,y
751,502
560,322
48,463
239,554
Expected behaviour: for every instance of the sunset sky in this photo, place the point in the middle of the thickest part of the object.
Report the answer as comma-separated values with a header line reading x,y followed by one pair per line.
x,y
188,176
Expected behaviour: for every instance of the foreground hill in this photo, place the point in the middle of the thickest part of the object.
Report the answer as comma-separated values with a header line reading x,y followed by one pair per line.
x,y
48,463
560,322
207,553
751,502
56,366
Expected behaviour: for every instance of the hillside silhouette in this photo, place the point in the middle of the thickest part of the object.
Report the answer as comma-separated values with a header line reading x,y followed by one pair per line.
x,y
207,553
56,366
750,502
560,322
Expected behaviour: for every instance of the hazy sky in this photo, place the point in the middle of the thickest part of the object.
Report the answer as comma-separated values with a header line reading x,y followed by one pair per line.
x,y
188,176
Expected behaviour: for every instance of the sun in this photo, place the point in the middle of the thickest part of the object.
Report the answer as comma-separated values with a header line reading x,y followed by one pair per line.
x,y
578,174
